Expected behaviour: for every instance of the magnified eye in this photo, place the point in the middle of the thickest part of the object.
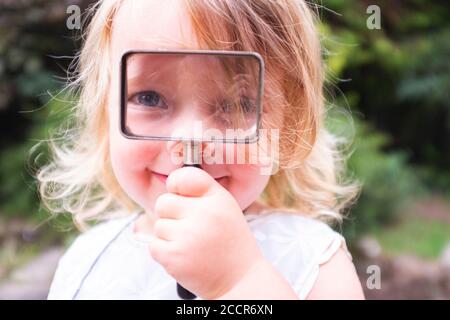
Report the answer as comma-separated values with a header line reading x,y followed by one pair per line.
x,y
235,115
148,99
247,104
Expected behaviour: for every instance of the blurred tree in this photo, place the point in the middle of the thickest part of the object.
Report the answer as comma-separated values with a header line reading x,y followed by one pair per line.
x,y
33,35
399,76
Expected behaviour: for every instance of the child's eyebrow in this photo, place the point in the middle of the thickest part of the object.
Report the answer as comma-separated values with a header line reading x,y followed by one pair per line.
x,y
138,77
145,68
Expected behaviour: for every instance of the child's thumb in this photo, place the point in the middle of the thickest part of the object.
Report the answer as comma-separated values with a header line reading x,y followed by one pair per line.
x,y
191,181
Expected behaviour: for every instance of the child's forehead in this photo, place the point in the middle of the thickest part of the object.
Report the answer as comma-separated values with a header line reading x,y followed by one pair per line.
x,y
151,24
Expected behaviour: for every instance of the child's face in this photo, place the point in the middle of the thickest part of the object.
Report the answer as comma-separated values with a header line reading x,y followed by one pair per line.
x,y
142,166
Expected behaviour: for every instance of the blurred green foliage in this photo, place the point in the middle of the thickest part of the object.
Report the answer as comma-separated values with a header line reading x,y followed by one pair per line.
x,y
398,77
395,82
418,236
389,184
32,34
19,162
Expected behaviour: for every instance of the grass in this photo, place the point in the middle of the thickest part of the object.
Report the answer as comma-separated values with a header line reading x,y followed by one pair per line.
x,y
416,236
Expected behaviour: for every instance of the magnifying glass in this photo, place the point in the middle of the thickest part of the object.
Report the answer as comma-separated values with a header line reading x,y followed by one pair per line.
x,y
191,96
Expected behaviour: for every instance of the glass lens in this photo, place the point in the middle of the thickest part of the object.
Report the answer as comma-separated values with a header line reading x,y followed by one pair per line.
x,y
191,95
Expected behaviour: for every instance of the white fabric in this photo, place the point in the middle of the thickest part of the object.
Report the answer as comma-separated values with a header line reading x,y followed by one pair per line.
x,y
124,269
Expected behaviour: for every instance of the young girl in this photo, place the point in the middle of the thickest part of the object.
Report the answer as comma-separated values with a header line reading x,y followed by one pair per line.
x,y
224,231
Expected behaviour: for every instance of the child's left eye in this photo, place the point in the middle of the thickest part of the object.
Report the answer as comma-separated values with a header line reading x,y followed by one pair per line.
x,y
149,99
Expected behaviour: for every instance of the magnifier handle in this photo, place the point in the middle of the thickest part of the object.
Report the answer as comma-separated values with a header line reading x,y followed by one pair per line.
x,y
182,292
192,165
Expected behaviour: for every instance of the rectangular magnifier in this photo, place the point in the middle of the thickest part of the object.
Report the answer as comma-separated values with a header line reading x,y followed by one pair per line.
x,y
191,95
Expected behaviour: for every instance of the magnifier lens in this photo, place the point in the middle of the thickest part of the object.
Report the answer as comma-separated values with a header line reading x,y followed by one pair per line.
x,y
181,96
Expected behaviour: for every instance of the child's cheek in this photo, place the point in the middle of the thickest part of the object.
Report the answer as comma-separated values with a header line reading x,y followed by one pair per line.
x,y
130,160
246,183
247,178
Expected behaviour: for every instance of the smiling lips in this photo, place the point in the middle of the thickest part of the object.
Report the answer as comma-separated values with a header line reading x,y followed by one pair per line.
x,y
160,177
163,177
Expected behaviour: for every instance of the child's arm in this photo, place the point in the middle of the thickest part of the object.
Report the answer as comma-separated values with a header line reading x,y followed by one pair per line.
x,y
337,280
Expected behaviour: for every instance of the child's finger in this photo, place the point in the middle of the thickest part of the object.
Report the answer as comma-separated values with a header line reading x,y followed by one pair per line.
x,y
190,181
170,206
161,251
166,229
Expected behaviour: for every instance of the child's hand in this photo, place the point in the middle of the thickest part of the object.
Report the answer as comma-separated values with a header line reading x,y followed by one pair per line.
x,y
201,236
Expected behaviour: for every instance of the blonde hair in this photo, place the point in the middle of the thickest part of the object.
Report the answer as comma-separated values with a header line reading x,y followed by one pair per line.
x,y
310,181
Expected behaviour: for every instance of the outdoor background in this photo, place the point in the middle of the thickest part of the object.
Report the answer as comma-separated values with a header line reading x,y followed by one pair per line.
x,y
393,81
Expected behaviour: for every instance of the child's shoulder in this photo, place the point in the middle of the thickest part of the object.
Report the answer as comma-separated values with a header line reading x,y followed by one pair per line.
x,y
99,235
294,226
82,253
297,245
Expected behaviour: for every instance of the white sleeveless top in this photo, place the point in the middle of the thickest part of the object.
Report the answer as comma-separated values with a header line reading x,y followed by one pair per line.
x,y
110,261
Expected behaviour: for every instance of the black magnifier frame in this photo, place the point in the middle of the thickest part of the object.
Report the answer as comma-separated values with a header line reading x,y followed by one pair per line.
x,y
124,91
191,145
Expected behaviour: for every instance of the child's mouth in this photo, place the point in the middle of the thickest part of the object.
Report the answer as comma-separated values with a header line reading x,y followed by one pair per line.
x,y
163,177
160,177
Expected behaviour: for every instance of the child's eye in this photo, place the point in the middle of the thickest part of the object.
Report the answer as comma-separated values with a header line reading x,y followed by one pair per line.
x,y
148,99
227,115
247,104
